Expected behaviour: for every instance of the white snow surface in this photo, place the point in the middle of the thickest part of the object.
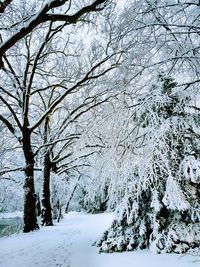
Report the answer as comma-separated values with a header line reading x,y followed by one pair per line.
x,y
69,244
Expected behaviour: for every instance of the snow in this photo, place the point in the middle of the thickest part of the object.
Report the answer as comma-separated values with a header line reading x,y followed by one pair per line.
x,y
68,244
9,215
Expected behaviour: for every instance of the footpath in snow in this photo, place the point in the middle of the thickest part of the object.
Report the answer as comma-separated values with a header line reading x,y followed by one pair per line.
x,y
68,244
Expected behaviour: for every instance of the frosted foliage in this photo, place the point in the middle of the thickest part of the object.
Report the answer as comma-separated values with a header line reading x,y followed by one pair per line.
x,y
11,197
59,193
160,208
191,169
188,234
111,172
174,198
155,203
127,208
164,128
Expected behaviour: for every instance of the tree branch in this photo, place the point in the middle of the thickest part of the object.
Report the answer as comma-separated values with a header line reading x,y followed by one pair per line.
x,y
88,76
10,127
42,17
12,112
4,4
16,169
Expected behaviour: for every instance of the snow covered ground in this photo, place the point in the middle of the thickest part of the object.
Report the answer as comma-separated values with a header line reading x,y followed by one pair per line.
x,y
68,244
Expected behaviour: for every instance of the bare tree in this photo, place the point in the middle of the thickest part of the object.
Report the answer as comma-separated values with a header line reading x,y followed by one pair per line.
x,y
57,149
34,80
21,90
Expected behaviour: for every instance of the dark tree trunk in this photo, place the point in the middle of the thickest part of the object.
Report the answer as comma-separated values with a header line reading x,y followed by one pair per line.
x,y
59,211
72,194
38,205
30,219
46,204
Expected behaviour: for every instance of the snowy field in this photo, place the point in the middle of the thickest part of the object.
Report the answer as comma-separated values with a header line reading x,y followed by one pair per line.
x,y
68,244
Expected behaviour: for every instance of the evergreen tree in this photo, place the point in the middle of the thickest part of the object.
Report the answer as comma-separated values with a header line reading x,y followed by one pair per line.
x,y
161,211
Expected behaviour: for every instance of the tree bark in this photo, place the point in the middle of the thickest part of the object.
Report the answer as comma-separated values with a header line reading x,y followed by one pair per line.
x,y
30,219
46,204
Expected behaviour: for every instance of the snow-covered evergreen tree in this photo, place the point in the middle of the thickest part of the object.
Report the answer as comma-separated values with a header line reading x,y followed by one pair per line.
x,y
161,209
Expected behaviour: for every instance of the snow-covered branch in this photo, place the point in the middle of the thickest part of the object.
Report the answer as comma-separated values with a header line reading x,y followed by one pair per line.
x,y
42,16
4,4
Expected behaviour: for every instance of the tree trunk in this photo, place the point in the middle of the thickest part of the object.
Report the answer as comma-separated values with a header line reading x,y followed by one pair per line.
x,y
59,211
46,204
72,194
38,205
30,219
